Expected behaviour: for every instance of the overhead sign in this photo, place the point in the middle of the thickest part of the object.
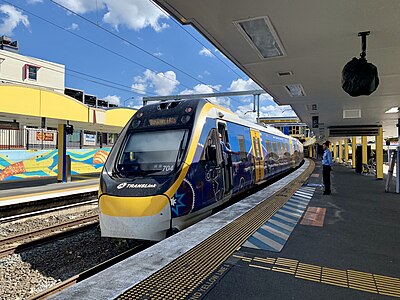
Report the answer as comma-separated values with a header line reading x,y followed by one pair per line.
x,y
315,121
9,125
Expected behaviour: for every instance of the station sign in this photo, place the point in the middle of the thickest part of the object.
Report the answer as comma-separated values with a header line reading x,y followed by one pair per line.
x,y
44,136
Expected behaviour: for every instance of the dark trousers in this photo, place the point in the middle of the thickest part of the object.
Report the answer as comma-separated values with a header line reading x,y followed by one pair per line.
x,y
326,175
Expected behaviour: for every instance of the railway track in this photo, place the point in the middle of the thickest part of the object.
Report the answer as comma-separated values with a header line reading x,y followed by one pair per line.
x,y
28,240
92,271
45,210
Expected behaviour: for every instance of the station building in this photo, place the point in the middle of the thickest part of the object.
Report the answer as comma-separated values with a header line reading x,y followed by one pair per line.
x,y
35,105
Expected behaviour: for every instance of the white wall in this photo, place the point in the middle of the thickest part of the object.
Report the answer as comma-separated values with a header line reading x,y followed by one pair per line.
x,y
12,69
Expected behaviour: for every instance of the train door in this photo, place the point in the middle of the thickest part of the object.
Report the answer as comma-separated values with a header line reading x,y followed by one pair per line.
x,y
257,154
227,158
211,161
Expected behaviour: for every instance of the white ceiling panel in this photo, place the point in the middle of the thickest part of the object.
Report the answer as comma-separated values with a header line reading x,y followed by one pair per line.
x,y
319,38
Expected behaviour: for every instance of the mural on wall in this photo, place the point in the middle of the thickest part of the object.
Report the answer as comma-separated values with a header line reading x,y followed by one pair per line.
x,y
21,164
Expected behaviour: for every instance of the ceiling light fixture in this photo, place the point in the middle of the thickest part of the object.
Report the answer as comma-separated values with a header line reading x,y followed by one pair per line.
x,y
261,36
295,90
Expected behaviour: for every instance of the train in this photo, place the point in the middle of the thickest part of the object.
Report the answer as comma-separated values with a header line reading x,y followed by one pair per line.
x,y
168,168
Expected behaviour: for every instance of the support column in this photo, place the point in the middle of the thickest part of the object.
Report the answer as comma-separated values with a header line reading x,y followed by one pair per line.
x,y
62,154
379,154
353,152
398,158
346,150
334,151
340,151
364,149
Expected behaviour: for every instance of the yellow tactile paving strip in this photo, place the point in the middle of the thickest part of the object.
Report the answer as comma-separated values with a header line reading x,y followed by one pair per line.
x,y
182,276
366,282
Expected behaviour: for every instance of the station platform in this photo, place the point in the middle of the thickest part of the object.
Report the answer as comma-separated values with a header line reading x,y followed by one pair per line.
x,y
23,191
287,241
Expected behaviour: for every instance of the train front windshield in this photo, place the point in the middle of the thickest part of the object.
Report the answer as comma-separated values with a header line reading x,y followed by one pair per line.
x,y
154,152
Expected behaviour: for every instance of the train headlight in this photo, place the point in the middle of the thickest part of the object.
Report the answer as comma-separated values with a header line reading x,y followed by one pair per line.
x,y
136,123
185,119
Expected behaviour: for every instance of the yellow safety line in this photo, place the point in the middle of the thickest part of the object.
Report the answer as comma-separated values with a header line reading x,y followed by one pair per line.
x,y
47,192
188,273
366,282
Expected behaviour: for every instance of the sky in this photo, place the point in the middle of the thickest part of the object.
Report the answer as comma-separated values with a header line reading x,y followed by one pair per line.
x,y
123,50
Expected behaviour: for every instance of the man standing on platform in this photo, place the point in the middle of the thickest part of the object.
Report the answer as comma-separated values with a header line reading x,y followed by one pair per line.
x,y
327,167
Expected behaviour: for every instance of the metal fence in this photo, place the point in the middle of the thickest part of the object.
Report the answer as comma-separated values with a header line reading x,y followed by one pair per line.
x,y
36,138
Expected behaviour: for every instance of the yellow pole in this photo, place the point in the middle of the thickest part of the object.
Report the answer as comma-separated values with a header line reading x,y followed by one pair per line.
x,y
364,149
340,151
353,152
379,154
311,154
61,153
334,151
346,150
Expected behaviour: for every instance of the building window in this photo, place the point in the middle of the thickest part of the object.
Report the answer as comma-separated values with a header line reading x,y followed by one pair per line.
x,y
31,72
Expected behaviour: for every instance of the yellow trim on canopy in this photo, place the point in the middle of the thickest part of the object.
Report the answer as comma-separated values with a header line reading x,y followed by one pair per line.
x,y
39,102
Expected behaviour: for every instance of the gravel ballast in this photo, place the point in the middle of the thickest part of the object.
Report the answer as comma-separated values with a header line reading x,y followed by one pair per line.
x,y
25,274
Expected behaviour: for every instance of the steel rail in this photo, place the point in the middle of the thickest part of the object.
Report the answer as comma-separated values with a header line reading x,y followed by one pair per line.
x,y
90,272
45,235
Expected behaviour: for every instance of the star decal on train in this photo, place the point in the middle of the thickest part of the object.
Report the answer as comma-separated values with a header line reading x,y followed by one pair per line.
x,y
176,202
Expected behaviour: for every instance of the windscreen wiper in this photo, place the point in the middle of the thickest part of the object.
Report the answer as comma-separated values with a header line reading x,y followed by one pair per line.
x,y
180,151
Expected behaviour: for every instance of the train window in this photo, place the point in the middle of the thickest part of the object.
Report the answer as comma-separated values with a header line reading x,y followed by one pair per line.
x,y
268,147
274,149
279,149
242,147
209,155
155,152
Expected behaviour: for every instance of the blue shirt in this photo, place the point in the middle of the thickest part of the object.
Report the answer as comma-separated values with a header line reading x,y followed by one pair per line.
x,y
327,158
225,148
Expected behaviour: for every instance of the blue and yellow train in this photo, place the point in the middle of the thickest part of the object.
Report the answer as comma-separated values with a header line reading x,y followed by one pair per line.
x,y
168,168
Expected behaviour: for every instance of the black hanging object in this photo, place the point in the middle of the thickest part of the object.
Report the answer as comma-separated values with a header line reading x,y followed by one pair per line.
x,y
358,76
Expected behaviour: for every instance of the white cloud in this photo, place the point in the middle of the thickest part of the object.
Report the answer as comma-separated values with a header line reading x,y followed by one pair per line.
x,y
158,54
223,101
73,26
245,112
11,19
139,87
271,110
208,89
136,103
243,85
162,83
207,73
205,52
113,99
34,1
134,14
81,6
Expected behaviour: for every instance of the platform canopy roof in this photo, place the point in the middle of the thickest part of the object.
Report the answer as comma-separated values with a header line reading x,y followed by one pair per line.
x,y
29,106
313,40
